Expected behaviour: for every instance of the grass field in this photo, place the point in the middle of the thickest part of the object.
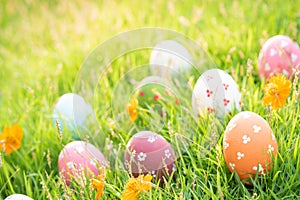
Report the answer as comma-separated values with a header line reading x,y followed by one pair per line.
x,y
44,43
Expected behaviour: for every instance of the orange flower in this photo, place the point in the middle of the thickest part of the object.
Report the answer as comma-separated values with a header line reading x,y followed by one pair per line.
x,y
11,139
136,185
132,109
98,183
276,91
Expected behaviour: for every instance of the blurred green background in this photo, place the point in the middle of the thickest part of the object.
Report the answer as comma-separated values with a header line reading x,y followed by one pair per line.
x,y
44,43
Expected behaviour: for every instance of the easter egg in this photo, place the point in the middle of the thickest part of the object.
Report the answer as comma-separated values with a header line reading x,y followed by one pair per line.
x,y
248,145
215,92
72,111
149,153
170,57
153,90
279,54
80,158
18,197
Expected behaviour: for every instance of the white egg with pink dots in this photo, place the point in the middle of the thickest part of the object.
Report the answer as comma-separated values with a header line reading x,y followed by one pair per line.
x,y
279,54
215,92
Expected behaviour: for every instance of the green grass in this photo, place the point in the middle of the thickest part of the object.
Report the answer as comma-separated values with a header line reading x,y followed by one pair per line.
x,y
43,45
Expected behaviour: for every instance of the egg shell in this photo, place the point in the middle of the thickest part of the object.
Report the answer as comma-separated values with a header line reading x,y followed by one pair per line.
x,y
170,57
149,153
79,156
279,54
215,92
152,91
18,197
72,110
248,145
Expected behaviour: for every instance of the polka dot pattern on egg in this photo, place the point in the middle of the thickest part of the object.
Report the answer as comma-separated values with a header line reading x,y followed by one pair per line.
x,y
149,153
80,157
215,92
248,144
279,54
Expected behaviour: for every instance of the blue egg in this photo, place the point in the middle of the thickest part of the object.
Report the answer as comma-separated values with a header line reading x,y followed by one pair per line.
x,y
73,114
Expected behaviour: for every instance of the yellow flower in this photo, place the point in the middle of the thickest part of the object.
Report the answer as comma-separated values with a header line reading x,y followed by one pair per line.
x,y
98,183
11,139
136,185
276,91
132,109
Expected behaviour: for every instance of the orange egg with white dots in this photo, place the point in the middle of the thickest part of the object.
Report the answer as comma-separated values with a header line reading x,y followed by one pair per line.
x,y
249,145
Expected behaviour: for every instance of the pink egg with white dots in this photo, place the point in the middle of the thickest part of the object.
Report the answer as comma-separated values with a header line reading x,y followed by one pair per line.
x,y
80,158
149,153
279,54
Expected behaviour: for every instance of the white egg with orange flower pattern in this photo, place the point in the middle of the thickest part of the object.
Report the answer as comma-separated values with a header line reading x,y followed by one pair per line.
x,y
249,145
